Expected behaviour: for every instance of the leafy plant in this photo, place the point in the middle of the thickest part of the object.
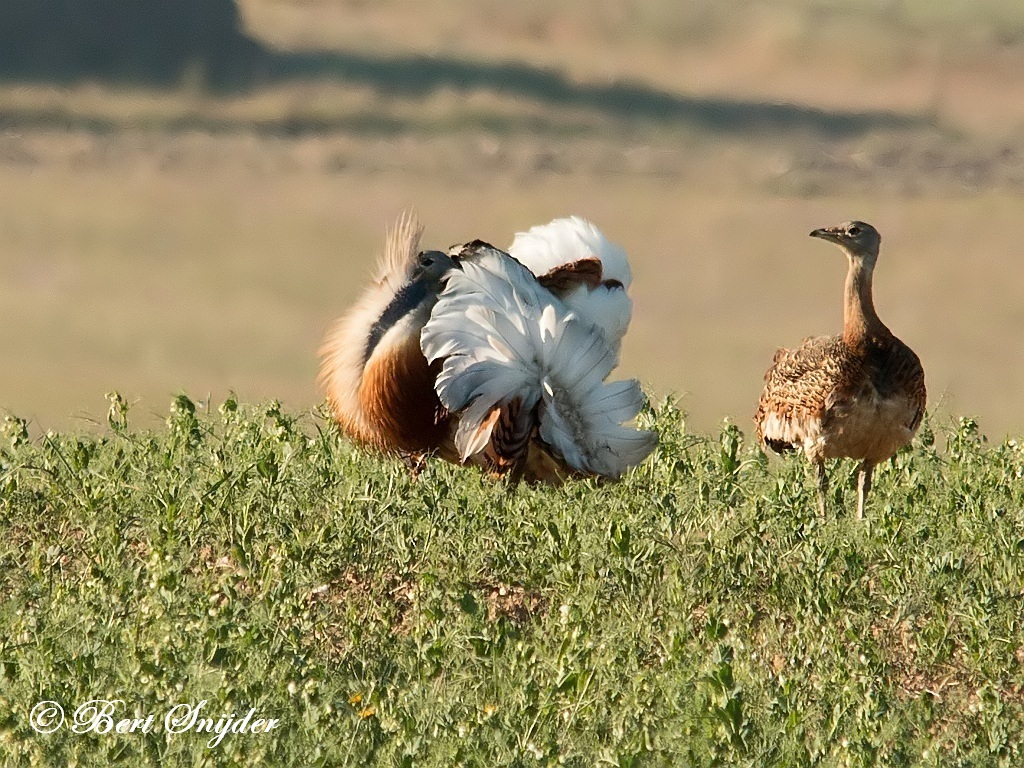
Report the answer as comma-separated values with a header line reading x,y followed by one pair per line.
x,y
700,612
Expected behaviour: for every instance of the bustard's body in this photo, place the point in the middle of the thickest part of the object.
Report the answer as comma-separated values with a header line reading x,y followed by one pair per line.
x,y
858,395
472,356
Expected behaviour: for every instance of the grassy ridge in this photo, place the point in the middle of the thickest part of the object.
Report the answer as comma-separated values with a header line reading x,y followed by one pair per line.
x,y
698,613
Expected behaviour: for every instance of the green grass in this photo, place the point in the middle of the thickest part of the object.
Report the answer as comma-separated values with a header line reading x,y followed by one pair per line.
x,y
698,613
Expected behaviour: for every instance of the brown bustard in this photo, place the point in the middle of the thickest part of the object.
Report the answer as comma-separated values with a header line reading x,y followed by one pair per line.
x,y
860,395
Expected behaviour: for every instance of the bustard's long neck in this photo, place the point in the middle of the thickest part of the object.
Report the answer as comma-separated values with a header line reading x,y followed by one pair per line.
x,y
408,299
859,318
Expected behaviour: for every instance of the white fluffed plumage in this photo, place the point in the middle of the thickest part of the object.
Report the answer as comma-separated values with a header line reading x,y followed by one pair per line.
x,y
546,247
504,338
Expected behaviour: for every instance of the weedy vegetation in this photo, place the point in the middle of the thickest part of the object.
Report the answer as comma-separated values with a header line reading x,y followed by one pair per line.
x,y
698,613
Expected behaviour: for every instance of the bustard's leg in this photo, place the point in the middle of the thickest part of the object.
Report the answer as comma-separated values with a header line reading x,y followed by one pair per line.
x,y
414,462
822,485
863,486
515,476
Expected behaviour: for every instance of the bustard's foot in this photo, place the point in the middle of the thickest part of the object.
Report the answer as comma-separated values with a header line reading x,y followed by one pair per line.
x,y
414,462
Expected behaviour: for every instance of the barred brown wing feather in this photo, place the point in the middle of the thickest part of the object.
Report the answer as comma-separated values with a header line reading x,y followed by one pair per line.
x,y
511,428
797,392
566,277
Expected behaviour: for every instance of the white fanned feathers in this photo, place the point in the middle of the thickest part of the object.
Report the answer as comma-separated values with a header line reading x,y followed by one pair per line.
x,y
510,347
547,247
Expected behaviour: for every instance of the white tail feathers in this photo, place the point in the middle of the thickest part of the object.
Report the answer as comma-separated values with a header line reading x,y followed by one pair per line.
x,y
563,241
546,246
503,339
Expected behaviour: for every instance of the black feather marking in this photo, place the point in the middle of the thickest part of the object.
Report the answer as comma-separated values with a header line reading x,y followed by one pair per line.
x,y
779,446
410,296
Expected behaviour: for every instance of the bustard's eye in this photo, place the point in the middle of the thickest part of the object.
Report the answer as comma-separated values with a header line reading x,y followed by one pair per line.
x,y
853,231
426,261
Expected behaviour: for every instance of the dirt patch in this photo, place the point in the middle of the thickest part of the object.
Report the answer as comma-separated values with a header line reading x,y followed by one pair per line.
x,y
512,603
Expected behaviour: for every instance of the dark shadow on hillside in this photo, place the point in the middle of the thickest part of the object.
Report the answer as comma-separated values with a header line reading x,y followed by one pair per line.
x,y
420,75
202,42
19,119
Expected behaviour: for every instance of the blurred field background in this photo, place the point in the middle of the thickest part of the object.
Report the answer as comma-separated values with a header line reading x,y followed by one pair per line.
x,y
194,218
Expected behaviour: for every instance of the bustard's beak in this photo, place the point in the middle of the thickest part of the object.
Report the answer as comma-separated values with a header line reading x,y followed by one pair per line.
x,y
829,234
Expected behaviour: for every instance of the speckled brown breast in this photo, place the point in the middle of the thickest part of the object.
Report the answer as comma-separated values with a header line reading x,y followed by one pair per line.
x,y
835,400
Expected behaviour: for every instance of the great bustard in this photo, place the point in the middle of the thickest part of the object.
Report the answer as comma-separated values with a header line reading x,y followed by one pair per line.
x,y
474,357
859,395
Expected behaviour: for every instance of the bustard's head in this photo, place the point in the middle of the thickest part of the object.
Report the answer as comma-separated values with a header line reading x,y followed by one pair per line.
x,y
430,268
858,239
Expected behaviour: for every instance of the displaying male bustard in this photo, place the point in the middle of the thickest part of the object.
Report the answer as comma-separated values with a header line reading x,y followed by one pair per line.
x,y
471,355
859,395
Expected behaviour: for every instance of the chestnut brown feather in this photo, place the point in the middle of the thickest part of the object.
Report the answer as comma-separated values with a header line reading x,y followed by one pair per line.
x,y
567,277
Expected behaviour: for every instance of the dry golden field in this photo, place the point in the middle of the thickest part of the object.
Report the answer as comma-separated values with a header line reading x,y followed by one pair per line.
x,y
154,241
